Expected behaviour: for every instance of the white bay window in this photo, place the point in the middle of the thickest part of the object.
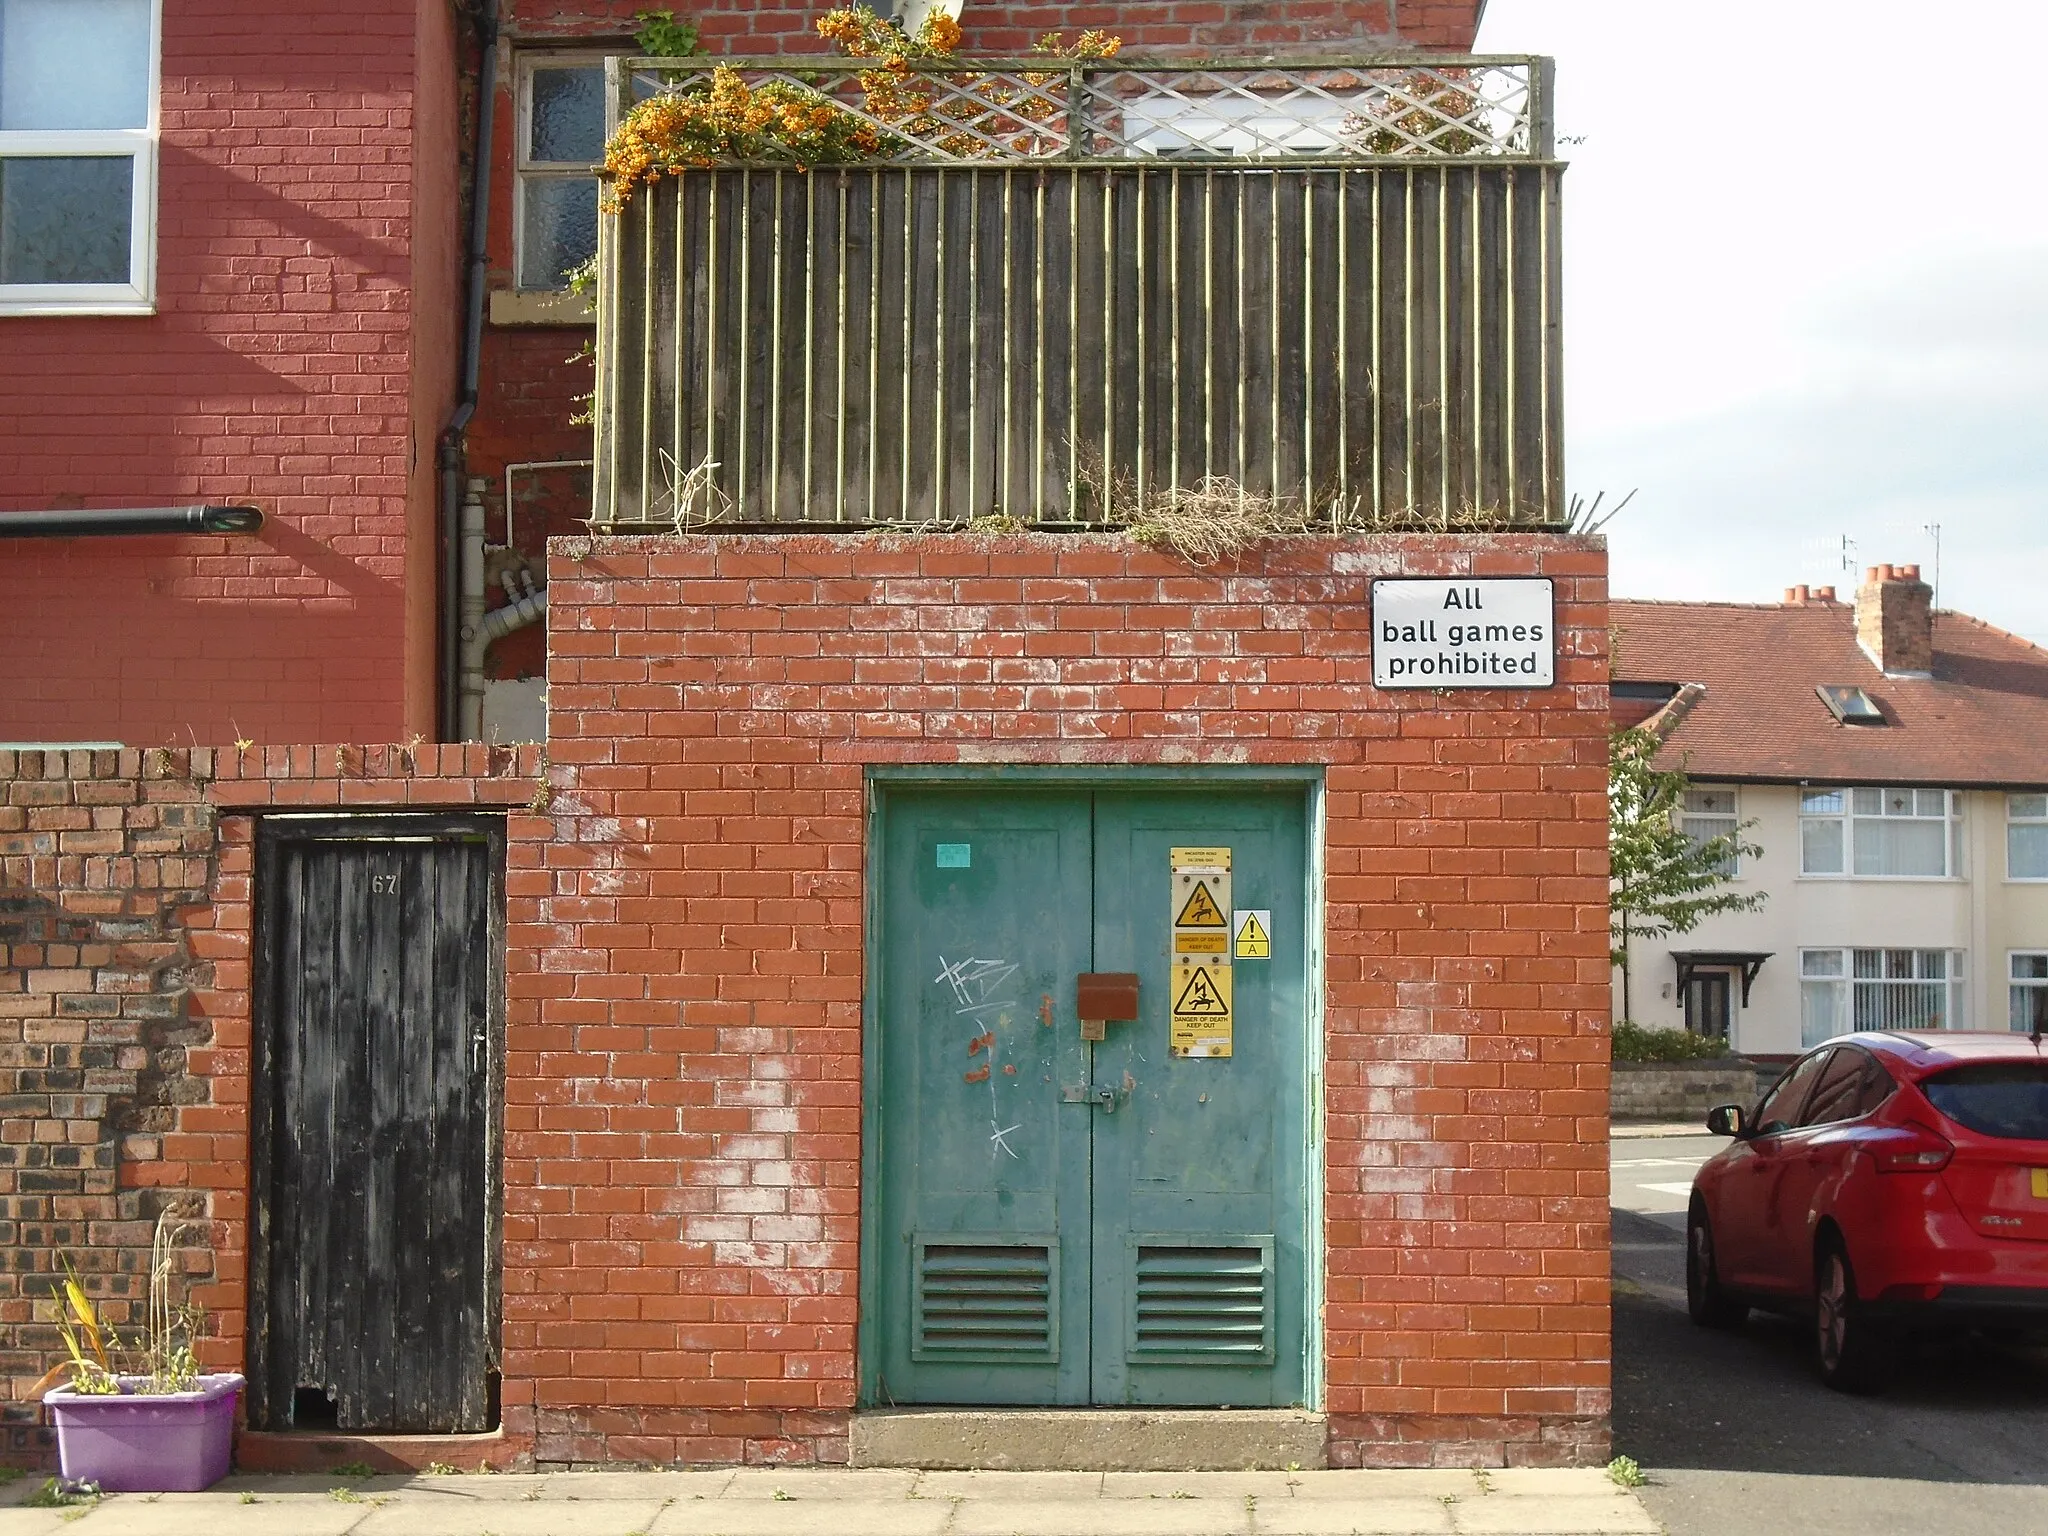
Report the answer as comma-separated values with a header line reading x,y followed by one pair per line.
x,y
2027,998
1850,989
78,133
1881,833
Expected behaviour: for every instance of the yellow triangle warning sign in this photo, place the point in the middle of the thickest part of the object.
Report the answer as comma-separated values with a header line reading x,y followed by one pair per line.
x,y
1253,942
1201,910
1199,999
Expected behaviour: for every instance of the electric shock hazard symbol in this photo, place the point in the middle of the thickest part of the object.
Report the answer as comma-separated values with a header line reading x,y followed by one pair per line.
x,y
1201,910
1201,998
1200,1022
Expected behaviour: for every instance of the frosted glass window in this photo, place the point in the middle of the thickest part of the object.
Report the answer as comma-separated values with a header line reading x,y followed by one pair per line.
x,y
566,121
560,229
74,64
66,220
77,154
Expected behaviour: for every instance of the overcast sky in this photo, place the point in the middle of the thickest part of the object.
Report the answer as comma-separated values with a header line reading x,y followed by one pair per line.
x,y
1806,290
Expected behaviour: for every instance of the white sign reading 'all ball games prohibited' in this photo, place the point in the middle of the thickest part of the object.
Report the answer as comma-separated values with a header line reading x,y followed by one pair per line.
x,y
1475,633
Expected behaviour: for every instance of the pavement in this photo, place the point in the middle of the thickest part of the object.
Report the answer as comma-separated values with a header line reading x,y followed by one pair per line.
x,y
1736,1433
807,1502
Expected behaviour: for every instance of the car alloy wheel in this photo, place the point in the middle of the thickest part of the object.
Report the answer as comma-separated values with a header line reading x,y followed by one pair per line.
x,y
1705,1302
1852,1354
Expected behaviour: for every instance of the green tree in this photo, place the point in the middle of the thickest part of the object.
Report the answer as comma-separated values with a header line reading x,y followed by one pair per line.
x,y
1663,881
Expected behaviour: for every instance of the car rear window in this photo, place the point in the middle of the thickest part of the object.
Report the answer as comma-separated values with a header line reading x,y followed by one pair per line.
x,y
2001,1098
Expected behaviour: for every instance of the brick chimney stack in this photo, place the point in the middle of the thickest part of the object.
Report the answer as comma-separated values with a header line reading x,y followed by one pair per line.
x,y
1895,620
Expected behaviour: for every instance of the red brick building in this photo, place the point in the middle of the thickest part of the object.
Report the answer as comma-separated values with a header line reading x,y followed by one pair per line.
x,y
724,1073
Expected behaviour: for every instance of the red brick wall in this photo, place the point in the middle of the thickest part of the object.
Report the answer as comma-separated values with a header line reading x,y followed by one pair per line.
x,y
683,1146
125,915
279,369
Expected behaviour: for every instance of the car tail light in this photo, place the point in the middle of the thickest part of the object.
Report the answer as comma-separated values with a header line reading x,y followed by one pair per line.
x,y
1911,1149
1909,1293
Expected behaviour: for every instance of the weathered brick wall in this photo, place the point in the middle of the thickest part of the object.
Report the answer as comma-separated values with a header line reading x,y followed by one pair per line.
x,y
292,327
99,866
125,1012
683,1142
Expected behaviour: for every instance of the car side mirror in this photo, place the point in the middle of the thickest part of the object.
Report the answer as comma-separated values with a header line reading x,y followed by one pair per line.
x,y
1726,1120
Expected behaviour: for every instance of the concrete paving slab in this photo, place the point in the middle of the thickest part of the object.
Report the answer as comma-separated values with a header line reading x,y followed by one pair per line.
x,y
138,1515
748,1517
1393,1482
1552,1482
816,1483
433,1490
1103,1517
16,1521
1535,1515
1201,1485
519,1517
680,1483
1405,1516
1021,1486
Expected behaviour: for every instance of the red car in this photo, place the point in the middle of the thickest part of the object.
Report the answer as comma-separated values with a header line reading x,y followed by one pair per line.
x,y
1889,1182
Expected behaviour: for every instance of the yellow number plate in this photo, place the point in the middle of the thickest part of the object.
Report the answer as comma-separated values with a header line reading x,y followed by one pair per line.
x,y
2041,1183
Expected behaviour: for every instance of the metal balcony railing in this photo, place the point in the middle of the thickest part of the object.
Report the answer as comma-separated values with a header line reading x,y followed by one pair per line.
x,y
1061,288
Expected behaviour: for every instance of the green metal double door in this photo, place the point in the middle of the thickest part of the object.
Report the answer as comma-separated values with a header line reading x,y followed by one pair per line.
x,y
1051,1220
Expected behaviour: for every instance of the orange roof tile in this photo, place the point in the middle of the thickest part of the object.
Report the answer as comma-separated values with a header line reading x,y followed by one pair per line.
x,y
1981,719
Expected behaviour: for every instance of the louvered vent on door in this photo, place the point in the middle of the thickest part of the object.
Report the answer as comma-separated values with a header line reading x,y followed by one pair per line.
x,y
989,1299
1204,1303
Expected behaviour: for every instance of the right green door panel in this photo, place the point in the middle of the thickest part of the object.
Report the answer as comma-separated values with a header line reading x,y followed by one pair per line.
x,y
1054,1222
1200,1178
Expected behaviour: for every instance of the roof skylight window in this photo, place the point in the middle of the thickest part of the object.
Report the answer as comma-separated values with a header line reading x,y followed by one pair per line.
x,y
1851,706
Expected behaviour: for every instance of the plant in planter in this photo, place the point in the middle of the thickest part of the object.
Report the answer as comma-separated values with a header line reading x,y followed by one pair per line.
x,y
140,1419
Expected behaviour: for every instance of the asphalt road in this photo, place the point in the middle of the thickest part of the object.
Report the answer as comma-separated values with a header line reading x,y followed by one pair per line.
x,y
1738,1436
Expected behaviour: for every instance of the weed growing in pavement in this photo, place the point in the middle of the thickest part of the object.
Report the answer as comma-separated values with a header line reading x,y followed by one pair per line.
x,y
344,1496
1625,1472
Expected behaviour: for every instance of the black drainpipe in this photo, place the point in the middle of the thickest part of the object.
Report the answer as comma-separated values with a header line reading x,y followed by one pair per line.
x,y
453,446
73,523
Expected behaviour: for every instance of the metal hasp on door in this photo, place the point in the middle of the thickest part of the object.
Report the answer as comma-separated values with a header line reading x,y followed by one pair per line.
x,y
373,1287
1054,1219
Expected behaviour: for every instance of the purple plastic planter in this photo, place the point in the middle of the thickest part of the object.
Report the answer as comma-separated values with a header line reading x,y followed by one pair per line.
x,y
179,1442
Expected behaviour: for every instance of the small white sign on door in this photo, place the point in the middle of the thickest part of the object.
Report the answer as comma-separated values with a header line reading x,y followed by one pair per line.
x,y
1497,632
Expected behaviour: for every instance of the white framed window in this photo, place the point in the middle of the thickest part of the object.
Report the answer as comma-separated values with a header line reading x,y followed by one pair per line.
x,y
2027,997
1881,834
1848,989
561,142
1710,812
78,153
2026,837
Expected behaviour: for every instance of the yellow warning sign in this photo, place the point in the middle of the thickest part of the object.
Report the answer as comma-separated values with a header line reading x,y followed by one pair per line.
x,y
1217,859
1186,942
1200,1022
1200,910
1252,932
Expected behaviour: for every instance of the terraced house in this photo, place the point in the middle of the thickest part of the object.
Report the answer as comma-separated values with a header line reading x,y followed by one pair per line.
x,y
1018,825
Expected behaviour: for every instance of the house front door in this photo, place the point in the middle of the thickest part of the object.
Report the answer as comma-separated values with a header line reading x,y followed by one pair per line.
x,y
1059,1220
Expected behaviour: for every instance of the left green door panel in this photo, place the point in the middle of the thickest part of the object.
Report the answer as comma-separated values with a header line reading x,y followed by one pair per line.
x,y
981,1238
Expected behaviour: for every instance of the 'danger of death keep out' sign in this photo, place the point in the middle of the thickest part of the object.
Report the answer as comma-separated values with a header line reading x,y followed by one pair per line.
x,y
1498,633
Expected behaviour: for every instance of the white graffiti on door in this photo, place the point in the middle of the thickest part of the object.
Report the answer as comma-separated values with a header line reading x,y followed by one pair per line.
x,y
977,987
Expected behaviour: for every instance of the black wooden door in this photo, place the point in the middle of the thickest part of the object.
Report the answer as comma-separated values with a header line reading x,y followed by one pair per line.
x,y
373,1285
